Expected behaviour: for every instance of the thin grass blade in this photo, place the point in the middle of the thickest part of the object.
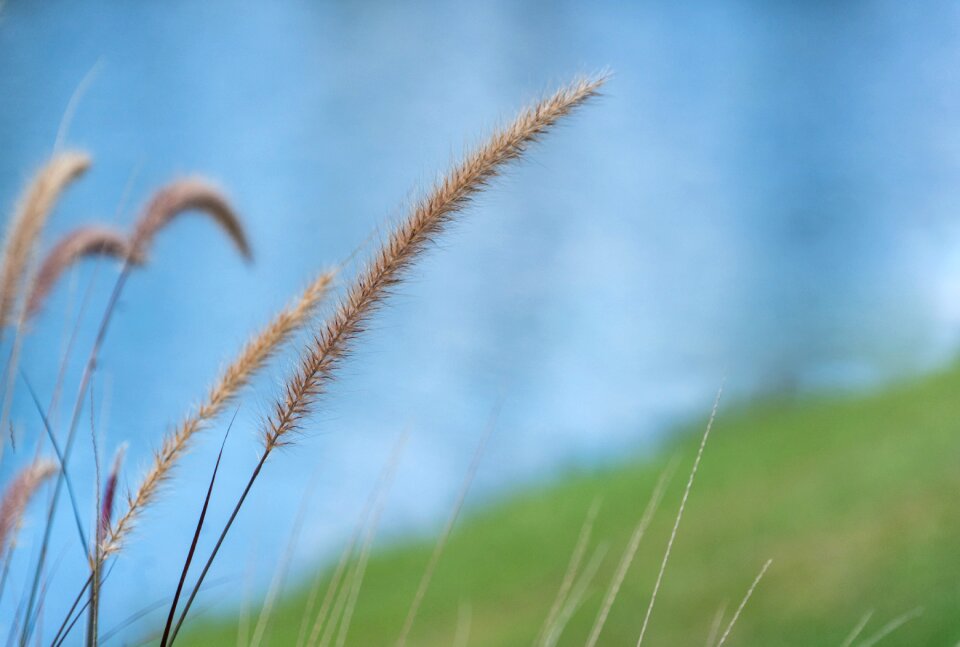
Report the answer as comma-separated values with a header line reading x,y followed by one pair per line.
x,y
194,541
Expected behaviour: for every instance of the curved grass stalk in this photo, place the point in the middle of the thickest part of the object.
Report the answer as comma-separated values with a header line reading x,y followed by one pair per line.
x,y
447,529
638,532
430,216
378,492
428,219
891,626
576,596
573,566
857,629
715,625
743,603
676,523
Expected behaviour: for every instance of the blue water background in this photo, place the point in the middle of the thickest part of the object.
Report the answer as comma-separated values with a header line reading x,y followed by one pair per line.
x,y
768,192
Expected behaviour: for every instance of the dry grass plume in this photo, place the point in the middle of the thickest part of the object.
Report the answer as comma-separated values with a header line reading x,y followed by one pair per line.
x,y
190,194
428,218
35,207
251,359
18,495
93,240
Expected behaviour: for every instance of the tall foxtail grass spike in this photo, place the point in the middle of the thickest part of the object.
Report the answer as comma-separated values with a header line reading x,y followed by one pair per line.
x,y
428,218
31,215
181,196
96,240
18,495
251,359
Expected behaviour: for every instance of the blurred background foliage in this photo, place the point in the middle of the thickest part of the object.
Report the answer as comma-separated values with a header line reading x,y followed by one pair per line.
x,y
767,192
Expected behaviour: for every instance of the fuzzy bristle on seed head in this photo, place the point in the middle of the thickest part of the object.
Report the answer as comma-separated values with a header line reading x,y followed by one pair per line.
x,y
18,495
81,243
181,196
31,215
427,219
238,374
330,345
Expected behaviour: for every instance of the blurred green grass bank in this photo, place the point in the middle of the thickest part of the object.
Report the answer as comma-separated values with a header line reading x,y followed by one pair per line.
x,y
855,498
